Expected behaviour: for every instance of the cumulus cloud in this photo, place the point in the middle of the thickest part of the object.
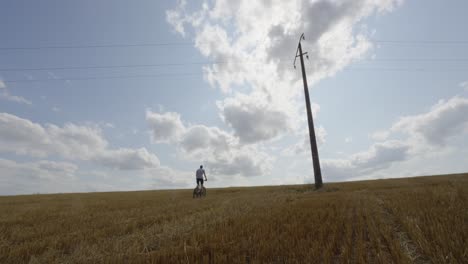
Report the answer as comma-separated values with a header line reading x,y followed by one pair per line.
x,y
167,178
45,176
421,134
201,138
165,127
220,150
128,159
380,135
303,146
464,85
324,23
5,95
446,119
253,120
161,177
379,156
256,42
44,169
33,177
266,30
223,153
246,161
22,136
71,141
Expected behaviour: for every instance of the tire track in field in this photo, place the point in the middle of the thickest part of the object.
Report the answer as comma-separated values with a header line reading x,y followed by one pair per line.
x,y
347,249
407,245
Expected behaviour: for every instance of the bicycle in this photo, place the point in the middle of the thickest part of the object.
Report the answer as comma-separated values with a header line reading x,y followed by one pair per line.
x,y
199,191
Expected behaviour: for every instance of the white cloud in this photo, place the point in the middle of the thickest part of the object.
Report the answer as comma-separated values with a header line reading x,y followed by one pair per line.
x,y
179,16
445,119
379,156
167,178
246,161
33,177
303,147
252,119
217,46
223,153
422,135
128,159
71,141
263,30
218,149
315,109
165,127
22,136
380,135
202,138
74,141
464,85
5,95
256,42
175,17
46,169
47,176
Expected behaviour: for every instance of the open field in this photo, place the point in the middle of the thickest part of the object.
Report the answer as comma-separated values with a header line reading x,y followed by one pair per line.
x,y
414,220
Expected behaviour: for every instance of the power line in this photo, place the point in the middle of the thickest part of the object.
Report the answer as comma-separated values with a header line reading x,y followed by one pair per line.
x,y
408,69
112,45
107,66
423,42
100,46
213,63
200,74
104,77
417,59
187,43
125,66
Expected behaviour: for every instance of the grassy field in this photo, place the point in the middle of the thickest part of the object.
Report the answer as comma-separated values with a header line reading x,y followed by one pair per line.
x,y
411,220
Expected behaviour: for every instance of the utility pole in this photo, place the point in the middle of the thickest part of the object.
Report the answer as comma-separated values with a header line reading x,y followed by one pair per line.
x,y
313,141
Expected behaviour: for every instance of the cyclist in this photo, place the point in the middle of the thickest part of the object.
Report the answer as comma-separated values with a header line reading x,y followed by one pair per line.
x,y
199,176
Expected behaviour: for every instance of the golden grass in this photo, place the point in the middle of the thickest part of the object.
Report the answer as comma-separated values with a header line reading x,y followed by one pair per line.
x,y
420,220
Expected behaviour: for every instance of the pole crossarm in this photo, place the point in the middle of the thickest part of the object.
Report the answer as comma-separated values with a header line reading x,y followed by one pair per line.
x,y
300,53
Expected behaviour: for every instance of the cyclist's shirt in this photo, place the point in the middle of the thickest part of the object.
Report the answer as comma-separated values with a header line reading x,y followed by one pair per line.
x,y
200,173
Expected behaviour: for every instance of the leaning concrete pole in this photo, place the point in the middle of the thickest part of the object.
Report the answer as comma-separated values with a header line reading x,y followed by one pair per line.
x,y
313,141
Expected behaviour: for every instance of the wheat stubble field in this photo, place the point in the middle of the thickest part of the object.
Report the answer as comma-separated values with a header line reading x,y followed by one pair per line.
x,y
412,220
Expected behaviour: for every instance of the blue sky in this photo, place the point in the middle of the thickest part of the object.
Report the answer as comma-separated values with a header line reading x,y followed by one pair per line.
x,y
112,95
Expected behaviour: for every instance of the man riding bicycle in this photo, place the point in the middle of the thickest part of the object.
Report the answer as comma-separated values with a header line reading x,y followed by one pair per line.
x,y
199,176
